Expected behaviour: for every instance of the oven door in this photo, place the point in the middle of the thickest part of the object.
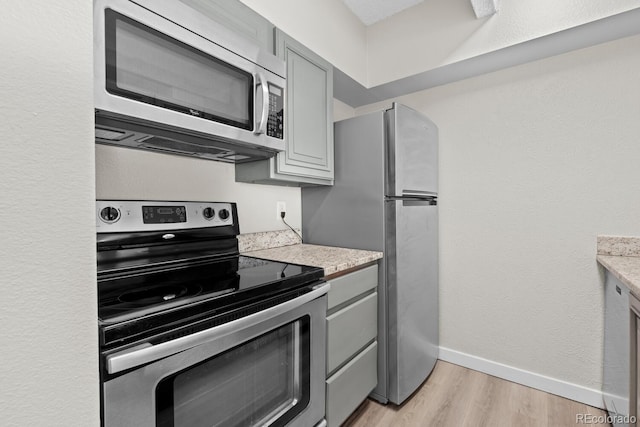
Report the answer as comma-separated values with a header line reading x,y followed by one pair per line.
x,y
265,369
163,73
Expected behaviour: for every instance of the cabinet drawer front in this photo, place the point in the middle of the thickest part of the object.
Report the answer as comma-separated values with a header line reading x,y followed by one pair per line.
x,y
350,329
351,285
348,387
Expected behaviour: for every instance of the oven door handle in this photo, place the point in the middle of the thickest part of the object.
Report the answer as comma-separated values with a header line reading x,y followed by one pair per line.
x,y
147,352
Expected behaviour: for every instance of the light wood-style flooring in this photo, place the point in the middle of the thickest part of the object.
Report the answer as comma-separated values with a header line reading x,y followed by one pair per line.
x,y
456,396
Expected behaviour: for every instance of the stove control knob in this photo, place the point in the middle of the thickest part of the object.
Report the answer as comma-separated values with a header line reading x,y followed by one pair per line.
x,y
109,214
208,213
223,214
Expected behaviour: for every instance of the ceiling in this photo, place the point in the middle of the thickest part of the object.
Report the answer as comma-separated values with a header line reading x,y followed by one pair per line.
x,y
372,11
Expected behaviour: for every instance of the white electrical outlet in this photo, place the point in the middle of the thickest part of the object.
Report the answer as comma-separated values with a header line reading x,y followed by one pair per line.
x,y
280,207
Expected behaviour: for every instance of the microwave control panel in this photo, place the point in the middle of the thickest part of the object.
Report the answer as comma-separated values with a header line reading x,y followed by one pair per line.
x,y
275,124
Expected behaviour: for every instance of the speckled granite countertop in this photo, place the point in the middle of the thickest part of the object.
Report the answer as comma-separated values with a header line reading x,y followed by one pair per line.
x,y
332,259
621,256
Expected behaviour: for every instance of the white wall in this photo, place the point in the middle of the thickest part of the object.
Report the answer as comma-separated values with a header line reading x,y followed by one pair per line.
x,y
327,27
535,161
123,173
49,346
440,32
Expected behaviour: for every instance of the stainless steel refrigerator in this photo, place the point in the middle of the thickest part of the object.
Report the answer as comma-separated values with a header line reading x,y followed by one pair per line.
x,y
385,198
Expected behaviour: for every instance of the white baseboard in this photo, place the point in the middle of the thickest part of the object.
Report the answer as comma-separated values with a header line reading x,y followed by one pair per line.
x,y
571,391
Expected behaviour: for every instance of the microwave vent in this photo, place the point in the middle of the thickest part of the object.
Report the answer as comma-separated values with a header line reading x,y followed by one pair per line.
x,y
111,135
181,147
236,157
124,131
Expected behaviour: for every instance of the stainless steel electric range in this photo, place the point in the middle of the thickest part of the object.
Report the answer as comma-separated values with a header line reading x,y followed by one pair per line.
x,y
194,334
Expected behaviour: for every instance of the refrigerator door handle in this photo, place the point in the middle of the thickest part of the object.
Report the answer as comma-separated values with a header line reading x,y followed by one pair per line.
x,y
415,200
418,193
419,202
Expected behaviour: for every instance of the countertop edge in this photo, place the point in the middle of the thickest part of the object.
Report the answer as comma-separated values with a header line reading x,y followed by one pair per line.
x,y
268,239
624,268
319,256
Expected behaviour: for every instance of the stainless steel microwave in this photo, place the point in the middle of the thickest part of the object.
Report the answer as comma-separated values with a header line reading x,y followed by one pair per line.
x,y
169,79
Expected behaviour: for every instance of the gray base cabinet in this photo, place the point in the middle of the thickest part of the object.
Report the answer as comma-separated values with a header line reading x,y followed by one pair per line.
x,y
352,345
616,388
308,157
348,387
634,398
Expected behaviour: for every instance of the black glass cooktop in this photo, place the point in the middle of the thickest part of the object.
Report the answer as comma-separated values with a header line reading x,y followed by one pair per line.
x,y
140,303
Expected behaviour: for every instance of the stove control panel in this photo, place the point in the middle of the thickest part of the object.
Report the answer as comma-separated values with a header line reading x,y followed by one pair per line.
x,y
114,216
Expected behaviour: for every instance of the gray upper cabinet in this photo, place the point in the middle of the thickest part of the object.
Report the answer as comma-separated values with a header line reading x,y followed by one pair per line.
x,y
308,158
239,18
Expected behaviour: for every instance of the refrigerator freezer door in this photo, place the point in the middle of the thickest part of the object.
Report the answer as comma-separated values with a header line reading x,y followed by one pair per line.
x,y
412,153
411,259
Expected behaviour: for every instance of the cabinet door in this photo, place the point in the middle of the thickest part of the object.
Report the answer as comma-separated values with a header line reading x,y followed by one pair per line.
x,y
237,17
308,156
616,387
309,120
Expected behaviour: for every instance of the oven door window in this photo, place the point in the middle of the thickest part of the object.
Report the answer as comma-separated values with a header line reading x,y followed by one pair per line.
x,y
148,66
264,381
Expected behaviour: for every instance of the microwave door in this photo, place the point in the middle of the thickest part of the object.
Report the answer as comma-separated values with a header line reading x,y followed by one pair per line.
x,y
146,65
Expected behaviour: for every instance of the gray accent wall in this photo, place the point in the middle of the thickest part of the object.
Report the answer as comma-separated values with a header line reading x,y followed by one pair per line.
x,y
356,203
596,32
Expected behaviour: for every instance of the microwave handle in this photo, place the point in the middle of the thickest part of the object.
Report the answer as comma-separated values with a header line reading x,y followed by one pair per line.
x,y
264,117
147,352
